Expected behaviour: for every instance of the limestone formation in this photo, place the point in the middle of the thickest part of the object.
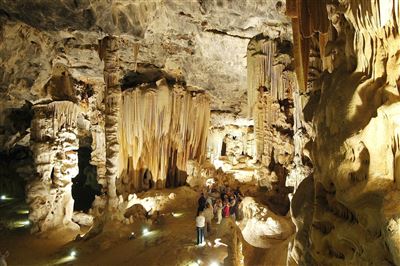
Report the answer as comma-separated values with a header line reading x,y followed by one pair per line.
x,y
108,51
353,110
295,101
271,89
161,128
54,147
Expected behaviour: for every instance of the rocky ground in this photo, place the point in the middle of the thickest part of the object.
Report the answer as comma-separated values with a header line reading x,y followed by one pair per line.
x,y
171,241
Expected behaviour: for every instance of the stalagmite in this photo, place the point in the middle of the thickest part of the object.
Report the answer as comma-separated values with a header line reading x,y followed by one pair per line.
x,y
54,145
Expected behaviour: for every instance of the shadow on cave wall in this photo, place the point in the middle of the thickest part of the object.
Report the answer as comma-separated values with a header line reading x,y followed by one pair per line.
x,y
147,74
85,186
16,160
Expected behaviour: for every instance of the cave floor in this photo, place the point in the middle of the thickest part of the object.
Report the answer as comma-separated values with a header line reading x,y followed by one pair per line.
x,y
170,242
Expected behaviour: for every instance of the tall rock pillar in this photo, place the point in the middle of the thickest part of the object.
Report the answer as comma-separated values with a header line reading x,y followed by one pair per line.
x,y
109,54
54,145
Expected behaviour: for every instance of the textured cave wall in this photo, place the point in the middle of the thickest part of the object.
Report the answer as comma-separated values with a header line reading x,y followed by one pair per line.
x,y
204,41
354,110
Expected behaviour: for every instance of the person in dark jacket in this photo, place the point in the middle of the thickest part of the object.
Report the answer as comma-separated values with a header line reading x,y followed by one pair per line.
x,y
202,203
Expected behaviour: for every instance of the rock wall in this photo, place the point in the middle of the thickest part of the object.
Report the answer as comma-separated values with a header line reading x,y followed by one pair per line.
x,y
354,110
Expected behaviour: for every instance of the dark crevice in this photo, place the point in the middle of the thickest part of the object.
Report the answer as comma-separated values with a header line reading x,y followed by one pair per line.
x,y
219,32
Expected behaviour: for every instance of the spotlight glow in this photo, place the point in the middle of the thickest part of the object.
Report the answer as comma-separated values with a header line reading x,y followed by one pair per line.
x,y
3,197
23,212
73,253
145,231
23,223
214,263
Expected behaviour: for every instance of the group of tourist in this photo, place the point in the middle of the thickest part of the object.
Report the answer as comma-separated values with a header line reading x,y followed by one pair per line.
x,y
219,203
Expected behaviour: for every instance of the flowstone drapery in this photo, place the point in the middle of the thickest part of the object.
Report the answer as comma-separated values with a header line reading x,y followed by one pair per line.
x,y
161,128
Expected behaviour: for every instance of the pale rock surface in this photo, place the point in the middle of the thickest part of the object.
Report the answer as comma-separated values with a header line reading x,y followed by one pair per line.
x,y
354,110
82,218
261,227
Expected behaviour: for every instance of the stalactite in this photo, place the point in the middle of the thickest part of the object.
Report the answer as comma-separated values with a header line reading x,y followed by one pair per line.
x,y
260,56
308,16
268,84
160,130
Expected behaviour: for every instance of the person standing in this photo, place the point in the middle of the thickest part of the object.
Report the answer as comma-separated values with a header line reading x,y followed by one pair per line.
x,y
208,214
202,203
233,206
218,209
225,210
200,224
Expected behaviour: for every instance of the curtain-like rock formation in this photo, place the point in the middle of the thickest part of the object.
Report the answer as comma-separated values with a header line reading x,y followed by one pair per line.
x,y
271,85
54,145
160,129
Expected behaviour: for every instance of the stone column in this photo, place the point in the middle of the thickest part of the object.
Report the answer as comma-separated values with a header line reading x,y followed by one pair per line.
x,y
109,54
54,145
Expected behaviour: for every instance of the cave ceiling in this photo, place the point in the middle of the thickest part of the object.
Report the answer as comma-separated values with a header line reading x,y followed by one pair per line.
x,y
202,42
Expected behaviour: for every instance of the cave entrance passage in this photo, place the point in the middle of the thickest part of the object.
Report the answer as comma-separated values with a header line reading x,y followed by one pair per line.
x,y
85,186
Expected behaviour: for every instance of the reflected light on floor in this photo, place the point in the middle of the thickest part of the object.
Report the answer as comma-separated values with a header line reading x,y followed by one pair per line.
x,y
147,232
64,260
177,214
23,211
217,243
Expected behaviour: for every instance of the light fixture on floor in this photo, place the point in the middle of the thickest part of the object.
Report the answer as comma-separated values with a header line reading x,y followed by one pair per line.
x,y
132,236
72,253
145,231
23,212
3,197
22,223
214,263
